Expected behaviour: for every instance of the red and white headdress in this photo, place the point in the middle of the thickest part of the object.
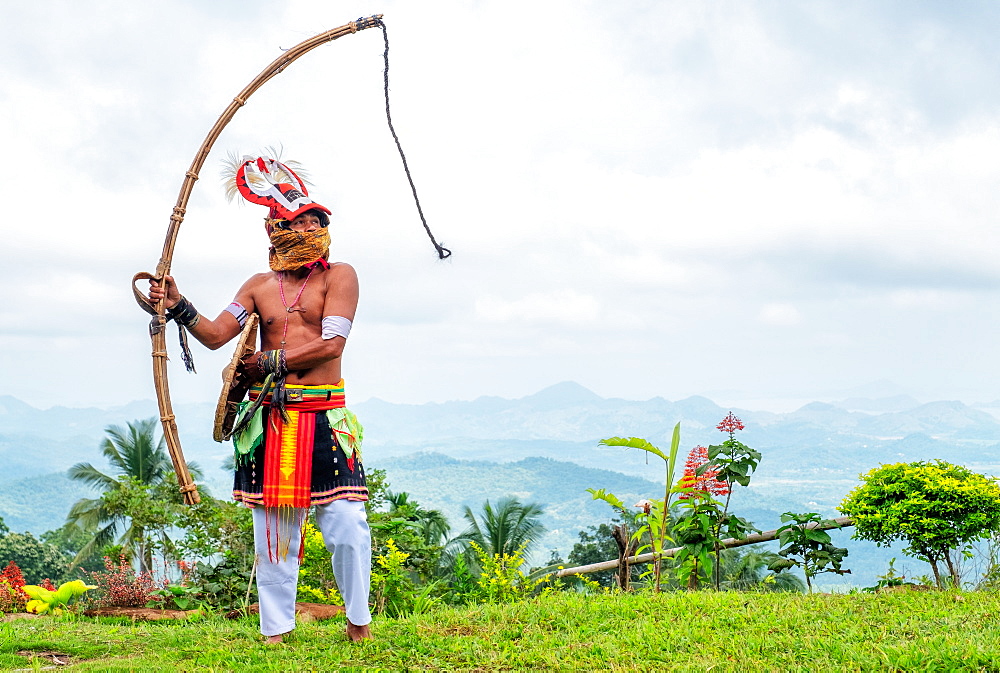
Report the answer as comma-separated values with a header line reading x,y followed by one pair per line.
x,y
257,181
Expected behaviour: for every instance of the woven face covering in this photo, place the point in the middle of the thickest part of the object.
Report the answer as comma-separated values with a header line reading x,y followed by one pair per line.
x,y
294,249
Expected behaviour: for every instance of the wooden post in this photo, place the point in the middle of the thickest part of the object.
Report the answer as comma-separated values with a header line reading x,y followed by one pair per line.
x,y
626,547
729,543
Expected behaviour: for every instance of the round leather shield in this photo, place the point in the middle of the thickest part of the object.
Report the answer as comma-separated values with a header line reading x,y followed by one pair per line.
x,y
234,384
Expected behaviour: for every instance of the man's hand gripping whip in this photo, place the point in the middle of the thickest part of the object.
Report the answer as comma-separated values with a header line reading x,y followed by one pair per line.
x,y
157,327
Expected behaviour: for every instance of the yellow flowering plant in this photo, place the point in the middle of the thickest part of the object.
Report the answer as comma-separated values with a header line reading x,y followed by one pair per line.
x,y
501,579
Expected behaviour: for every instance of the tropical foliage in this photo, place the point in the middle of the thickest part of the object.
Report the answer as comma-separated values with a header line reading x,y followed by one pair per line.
x,y
655,518
43,600
37,560
511,527
203,555
700,521
133,510
747,569
937,508
805,544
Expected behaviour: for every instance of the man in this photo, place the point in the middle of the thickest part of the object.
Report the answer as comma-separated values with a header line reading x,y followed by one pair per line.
x,y
302,448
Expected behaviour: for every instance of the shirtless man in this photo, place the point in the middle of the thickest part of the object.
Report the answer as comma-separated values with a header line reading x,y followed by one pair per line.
x,y
305,452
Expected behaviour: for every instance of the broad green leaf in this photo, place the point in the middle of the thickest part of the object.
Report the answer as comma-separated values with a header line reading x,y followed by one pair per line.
x,y
817,535
780,564
37,607
38,593
634,443
62,595
675,445
610,498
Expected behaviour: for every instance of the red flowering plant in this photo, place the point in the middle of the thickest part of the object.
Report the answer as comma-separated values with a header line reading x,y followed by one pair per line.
x,y
731,462
705,481
12,596
119,585
701,518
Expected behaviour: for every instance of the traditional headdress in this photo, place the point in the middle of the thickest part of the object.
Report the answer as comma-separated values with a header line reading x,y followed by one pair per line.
x,y
269,182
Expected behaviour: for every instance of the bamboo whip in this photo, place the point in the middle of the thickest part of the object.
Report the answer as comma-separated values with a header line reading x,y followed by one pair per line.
x,y
157,328
728,543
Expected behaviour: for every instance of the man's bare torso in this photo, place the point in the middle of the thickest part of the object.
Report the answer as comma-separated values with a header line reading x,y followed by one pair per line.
x,y
327,292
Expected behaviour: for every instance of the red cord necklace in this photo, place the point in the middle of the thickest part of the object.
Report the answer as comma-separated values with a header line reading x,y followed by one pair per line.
x,y
290,308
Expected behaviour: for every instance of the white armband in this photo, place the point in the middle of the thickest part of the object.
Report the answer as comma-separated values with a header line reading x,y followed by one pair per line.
x,y
238,312
335,326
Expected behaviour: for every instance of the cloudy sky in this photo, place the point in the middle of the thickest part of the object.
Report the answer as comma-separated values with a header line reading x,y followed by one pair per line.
x,y
754,201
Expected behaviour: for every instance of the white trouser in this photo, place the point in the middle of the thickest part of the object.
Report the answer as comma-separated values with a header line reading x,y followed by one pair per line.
x,y
344,524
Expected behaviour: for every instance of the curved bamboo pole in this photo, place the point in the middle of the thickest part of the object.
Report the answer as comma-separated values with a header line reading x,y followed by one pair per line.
x,y
157,327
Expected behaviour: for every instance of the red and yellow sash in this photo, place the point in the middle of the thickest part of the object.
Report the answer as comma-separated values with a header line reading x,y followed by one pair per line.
x,y
288,460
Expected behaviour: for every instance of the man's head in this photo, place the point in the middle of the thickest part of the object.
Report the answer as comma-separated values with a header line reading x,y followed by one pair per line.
x,y
306,221
300,241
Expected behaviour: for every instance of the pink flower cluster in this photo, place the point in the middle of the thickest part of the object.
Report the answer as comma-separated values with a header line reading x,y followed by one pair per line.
x,y
706,482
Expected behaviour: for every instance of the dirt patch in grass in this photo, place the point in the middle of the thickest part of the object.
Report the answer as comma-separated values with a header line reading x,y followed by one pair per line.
x,y
141,614
57,658
306,612
18,615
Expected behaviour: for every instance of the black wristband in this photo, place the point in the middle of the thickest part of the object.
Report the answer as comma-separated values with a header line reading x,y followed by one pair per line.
x,y
273,362
184,313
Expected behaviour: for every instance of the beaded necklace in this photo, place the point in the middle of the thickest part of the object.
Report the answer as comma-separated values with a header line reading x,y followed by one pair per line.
x,y
290,308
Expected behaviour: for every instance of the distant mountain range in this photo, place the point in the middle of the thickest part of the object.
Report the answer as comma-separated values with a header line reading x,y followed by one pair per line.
x,y
447,454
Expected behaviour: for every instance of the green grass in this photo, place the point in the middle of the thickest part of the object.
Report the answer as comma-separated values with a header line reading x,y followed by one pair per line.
x,y
675,631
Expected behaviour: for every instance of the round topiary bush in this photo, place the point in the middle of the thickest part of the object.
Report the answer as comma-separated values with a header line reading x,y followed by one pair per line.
x,y
934,506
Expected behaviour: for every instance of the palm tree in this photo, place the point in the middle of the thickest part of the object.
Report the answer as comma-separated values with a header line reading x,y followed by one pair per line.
x,y
509,528
137,460
744,569
430,524
433,526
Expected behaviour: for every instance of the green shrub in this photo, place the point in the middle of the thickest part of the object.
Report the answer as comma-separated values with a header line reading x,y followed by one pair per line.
x,y
937,508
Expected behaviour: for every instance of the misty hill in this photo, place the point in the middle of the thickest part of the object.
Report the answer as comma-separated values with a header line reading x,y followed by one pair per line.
x,y
811,456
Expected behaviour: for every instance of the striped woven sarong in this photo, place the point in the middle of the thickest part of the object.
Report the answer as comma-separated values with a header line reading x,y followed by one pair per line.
x,y
306,460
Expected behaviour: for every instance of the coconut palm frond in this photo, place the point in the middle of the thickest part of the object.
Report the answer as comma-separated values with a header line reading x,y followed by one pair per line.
x,y
89,514
101,539
135,454
433,526
91,476
509,527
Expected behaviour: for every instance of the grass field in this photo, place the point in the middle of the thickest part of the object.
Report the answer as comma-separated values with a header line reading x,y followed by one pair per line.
x,y
728,631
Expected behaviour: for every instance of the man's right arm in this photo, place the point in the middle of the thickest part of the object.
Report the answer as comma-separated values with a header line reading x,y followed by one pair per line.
x,y
212,333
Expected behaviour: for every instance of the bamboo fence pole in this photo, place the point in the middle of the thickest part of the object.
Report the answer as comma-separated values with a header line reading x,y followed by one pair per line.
x,y
729,543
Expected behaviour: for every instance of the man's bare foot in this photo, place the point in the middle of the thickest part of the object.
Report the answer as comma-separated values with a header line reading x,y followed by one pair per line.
x,y
358,633
275,640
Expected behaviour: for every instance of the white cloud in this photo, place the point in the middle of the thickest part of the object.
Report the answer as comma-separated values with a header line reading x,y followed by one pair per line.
x,y
557,307
781,315
623,186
